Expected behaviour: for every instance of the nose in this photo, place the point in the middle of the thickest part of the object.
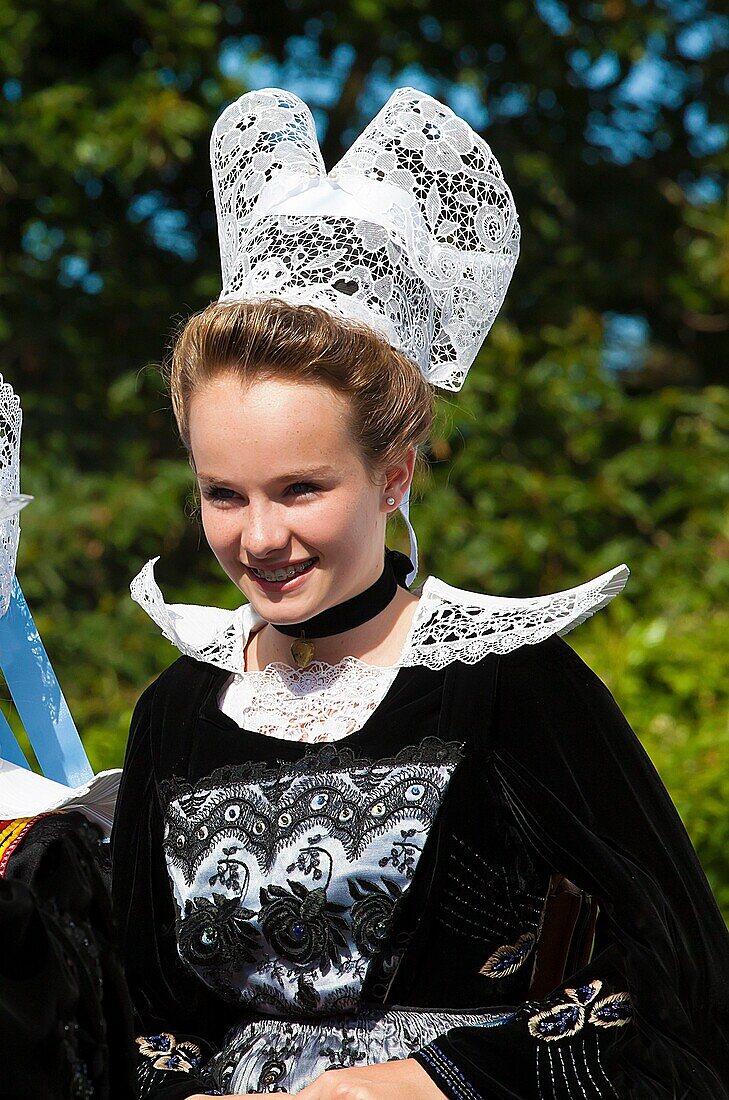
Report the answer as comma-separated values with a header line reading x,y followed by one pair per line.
x,y
265,533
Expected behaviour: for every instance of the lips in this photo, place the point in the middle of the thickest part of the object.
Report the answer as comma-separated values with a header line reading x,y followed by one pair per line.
x,y
282,573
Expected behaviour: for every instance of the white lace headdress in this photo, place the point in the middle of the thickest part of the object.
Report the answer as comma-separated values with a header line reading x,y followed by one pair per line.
x,y
414,232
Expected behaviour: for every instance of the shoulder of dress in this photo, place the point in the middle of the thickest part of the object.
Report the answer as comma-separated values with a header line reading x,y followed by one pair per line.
x,y
453,624
212,635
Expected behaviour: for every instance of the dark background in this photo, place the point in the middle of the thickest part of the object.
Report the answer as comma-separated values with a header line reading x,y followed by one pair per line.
x,y
593,427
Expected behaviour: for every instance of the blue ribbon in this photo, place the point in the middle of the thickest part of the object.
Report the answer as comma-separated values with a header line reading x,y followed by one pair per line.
x,y
39,700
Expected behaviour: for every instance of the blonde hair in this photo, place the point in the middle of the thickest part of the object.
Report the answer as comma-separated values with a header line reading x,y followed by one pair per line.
x,y
391,403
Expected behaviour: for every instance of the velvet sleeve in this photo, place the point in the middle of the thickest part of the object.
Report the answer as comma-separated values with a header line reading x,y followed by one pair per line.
x,y
648,1016
178,1024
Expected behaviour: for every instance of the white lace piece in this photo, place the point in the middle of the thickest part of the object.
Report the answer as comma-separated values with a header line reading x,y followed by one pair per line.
x,y
414,232
315,704
11,419
326,702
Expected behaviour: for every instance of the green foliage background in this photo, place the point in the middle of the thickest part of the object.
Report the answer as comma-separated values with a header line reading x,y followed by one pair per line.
x,y
549,467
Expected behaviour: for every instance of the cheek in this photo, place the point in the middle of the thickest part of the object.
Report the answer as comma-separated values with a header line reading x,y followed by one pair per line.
x,y
349,523
220,528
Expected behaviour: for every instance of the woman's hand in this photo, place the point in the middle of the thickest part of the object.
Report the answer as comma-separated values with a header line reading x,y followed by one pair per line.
x,y
401,1080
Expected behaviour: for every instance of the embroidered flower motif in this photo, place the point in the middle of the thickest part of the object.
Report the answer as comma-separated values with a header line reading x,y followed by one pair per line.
x,y
152,1045
272,1073
586,993
612,1011
216,933
372,913
506,960
308,861
303,925
405,852
558,1022
565,1019
168,1054
229,870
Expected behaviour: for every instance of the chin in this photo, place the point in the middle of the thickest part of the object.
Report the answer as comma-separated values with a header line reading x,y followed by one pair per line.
x,y
283,608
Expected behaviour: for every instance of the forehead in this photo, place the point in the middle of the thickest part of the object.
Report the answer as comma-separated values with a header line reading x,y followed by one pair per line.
x,y
269,424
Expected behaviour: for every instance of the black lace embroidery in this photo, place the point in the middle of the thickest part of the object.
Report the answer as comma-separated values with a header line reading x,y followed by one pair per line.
x,y
323,759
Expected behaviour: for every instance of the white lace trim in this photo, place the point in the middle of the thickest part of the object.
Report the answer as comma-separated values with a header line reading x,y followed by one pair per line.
x,y
325,702
319,703
11,419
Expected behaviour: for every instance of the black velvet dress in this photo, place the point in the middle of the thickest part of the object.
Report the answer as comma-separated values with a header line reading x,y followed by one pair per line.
x,y
287,908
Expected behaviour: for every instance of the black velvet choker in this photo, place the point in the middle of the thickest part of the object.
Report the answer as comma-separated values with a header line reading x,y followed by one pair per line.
x,y
346,616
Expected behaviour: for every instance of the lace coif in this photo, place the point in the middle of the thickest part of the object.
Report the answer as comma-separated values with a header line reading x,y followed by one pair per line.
x,y
414,232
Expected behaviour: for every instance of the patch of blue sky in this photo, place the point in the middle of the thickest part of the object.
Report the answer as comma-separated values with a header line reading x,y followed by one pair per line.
x,y
381,82
619,142
12,90
554,13
595,73
303,71
168,228
74,271
625,341
699,40
703,190
92,185
41,241
466,101
431,28
653,82
705,137
512,102
683,11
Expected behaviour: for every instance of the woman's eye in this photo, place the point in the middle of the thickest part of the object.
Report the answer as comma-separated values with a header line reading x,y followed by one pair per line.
x,y
219,494
303,489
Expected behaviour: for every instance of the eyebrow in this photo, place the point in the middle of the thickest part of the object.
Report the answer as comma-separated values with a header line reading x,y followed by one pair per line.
x,y
296,475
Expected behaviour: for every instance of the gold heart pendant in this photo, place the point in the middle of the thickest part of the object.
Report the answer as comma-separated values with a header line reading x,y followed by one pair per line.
x,y
302,651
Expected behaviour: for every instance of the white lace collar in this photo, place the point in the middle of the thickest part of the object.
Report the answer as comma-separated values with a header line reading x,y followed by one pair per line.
x,y
449,624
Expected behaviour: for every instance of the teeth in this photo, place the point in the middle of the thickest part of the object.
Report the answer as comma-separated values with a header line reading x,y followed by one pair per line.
x,y
282,574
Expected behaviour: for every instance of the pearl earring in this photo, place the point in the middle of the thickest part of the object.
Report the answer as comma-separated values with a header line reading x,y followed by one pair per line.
x,y
390,501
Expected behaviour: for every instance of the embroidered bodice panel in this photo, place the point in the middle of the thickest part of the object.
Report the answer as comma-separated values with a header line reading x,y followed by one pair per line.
x,y
286,880
326,702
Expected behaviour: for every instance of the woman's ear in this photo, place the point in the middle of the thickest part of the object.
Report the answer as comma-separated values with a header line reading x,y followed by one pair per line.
x,y
398,479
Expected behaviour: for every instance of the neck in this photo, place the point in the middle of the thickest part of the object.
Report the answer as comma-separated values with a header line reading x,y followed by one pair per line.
x,y
378,641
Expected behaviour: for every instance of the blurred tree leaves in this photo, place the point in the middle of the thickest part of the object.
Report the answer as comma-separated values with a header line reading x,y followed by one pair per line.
x,y
610,121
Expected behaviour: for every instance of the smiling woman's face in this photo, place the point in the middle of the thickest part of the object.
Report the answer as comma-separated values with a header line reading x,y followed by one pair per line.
x,y
284,488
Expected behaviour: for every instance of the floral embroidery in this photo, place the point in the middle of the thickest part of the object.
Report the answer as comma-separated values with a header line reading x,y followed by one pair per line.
x,y
302,925
612,1011
566,1018
404,852
559,1022
586,993
229,871
167,1054
216,932
271,1076
506,960
372,913
353,807
287,880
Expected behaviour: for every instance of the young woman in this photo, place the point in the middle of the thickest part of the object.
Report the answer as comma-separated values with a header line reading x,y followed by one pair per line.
x,y
344,807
